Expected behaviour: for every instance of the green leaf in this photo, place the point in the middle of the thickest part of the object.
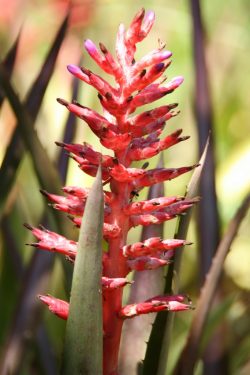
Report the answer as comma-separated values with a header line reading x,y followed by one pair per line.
x,y
9,62
15,149
190,353
158,346
84,330
48,177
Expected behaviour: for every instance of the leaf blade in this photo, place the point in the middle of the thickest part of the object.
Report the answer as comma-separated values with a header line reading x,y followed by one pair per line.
x,y
9,61
83,342
190,352
16,149
156,359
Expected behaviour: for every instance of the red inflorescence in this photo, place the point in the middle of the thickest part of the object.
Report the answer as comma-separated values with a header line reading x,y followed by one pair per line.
x,y
131,137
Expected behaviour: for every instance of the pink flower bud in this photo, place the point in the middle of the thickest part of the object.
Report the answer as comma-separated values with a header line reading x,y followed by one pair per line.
x,y
154,92
109,230
122,174
78,73
87,152
156,175
90,168
100,84
56,306
116,142
154,57
111,64
159,217
153,126
164,214
151,246
148,22
156,304
97,57
70,204
146,263
76,191
144,78
137,208
134,29
149,148
52,241
98,124
124,56
113,283
147,117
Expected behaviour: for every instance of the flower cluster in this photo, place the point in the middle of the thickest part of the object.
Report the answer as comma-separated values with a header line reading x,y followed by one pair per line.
x,y
131,137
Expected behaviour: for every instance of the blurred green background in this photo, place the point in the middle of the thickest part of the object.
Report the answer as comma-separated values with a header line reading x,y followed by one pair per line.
x,y
227,31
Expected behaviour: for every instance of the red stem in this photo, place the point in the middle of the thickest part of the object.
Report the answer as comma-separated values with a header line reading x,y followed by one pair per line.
x,y
115,266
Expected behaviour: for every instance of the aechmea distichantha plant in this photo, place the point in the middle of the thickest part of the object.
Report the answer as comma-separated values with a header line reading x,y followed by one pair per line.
x,y
131,137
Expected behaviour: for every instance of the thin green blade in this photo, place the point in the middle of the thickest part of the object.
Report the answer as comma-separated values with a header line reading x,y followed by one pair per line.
x,y
84,330
16,147
9,62
158,346
191,351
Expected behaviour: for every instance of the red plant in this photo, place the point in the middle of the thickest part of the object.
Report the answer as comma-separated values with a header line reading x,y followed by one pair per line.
x,y
132,137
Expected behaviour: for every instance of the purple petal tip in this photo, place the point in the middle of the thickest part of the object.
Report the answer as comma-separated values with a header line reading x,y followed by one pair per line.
x,y
89,46
167,54
150,16
73,69
178,80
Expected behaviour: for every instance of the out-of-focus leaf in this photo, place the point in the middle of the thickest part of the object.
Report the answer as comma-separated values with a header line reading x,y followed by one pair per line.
x,y
9,62
20,324
45,170
191,351
26,312
84,330
146,285
15,149
158,346
69,133
216,317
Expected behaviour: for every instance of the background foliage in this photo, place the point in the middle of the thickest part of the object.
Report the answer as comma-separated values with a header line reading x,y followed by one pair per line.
x,y
22,273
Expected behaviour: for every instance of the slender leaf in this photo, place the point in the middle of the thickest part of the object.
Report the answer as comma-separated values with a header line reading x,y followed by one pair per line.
x,y
26,312
48,177
191,353
69,133
9,62
157,350
20,324
208,223
15,150
83,342
146,285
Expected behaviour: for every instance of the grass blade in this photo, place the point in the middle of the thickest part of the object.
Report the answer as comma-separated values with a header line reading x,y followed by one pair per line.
x,y
26,312
83,342
9,62
15,150
48,177
191,353
69,134
157,350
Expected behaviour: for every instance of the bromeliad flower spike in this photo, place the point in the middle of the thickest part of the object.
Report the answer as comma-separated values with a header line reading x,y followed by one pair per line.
x,y
131,137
